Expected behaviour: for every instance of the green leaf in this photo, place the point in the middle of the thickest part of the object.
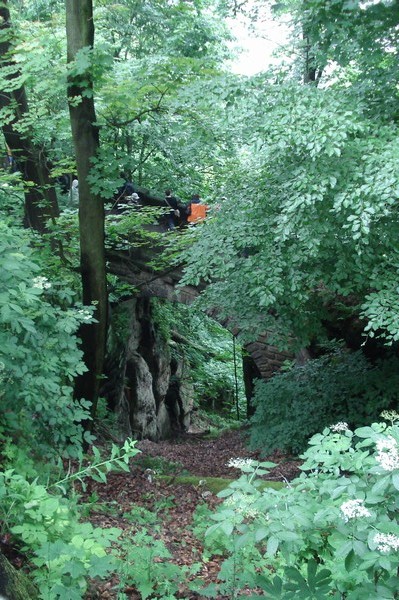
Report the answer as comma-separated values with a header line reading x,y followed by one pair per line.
x,y
344,549
350,561
101,566
227,527
75,568
261,533
225,493
272,545
395,480
273,587
311,568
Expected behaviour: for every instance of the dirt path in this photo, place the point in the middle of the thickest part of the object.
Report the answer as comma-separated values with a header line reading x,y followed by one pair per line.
x,y
124,501
208,457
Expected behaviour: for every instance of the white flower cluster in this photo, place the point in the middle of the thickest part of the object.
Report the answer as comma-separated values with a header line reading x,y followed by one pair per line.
x,y
239,463
242,504
85,314
386,542
340,426
354,508
42,283
388,455
390,415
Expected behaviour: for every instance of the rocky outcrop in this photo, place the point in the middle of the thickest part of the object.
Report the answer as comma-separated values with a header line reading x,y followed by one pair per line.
x,y
262,360
134,267
145,386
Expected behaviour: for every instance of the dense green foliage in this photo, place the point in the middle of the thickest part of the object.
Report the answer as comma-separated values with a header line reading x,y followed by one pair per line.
x,y
47,525
213,363
39,352
307,233
315,201
150,65
340,386
145,564
311,217
333,532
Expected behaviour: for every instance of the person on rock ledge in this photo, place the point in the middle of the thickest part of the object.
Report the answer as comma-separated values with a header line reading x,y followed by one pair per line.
x,y
196,210
174,213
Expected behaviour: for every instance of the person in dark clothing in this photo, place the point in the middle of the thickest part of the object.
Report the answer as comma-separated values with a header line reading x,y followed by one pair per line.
x,y
174,213
125,195
64,181
127,189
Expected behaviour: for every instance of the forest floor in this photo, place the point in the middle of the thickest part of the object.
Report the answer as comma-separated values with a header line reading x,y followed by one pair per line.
x,y
154,498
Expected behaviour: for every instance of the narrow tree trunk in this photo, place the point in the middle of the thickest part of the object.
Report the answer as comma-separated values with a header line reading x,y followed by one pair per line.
x,y
40,198
141,160
312,72
80,34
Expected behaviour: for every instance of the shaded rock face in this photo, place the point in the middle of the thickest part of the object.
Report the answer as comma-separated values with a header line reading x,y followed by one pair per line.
x,y
145,386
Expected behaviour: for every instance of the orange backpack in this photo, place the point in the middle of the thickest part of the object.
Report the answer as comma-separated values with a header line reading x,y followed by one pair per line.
x,y
197,212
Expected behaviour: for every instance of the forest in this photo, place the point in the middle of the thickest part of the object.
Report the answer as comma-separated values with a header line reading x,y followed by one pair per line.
x,y
199,407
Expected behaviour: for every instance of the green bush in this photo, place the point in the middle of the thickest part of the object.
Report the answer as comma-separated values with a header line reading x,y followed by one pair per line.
x,y
341,386
145,562
332,533
45,522
39,352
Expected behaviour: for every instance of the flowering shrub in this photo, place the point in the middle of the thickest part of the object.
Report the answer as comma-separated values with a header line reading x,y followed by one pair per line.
x,y
333,532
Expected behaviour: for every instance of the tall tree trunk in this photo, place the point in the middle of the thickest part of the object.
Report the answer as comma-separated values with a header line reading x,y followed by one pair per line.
x,y
40,198
80,34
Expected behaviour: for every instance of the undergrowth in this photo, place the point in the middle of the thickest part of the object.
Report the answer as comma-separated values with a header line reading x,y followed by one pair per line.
x,y
340,386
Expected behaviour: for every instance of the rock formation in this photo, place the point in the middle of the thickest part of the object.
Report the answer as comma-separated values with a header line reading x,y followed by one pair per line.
x,y
146,386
